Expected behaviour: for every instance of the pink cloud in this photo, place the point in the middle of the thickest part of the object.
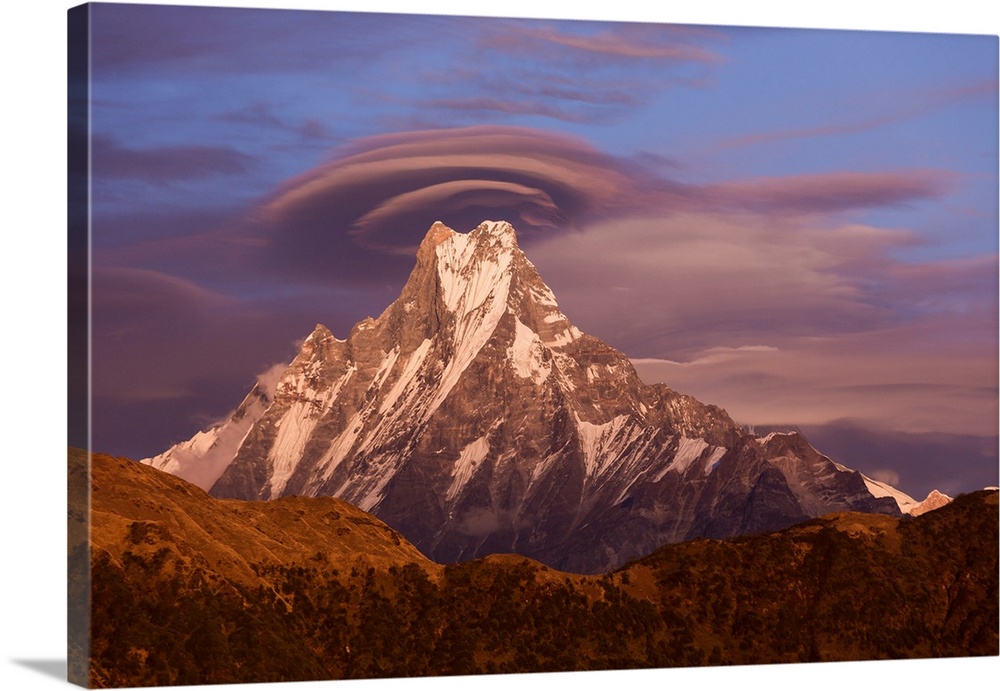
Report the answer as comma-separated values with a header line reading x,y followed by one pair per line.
x,y
924,386
161,165
786,322
830,192
904,107
615,44
624,42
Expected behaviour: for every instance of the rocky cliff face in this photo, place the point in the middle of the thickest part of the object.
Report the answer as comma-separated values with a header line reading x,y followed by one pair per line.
x,y
473,417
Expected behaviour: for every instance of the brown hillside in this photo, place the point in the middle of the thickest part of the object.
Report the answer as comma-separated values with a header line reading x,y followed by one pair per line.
x,y
191,589
139,510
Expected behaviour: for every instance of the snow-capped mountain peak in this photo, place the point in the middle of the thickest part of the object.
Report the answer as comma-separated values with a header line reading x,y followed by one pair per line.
x,y
472,416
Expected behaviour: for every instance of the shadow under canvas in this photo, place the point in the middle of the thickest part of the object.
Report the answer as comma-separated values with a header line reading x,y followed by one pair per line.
x,y
51,668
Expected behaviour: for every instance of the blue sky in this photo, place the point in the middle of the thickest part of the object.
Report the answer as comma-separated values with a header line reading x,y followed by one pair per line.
x,y
797,225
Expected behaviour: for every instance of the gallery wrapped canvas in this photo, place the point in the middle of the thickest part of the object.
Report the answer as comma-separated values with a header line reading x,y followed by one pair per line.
x,y
413,345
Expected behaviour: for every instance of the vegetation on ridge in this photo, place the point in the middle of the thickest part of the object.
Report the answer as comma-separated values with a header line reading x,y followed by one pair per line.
x,y
190,589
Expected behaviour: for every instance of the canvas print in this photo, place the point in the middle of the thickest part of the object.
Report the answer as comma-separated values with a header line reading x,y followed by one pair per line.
x,y
415,345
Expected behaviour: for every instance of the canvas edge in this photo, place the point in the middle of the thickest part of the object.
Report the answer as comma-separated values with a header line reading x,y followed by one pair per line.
x,y
78,346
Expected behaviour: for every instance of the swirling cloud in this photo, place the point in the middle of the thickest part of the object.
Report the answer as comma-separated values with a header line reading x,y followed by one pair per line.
x,y
379,195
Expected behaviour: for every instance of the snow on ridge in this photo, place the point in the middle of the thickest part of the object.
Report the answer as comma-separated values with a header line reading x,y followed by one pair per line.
x,y
546,463
406,377
373,496
597,441
499,233
772,435
181,459
688,451
384,368
202,459
340,446
480,304
525,354
905,502
294,430
713,459
467,464
564,337
469,272
933,500
544,296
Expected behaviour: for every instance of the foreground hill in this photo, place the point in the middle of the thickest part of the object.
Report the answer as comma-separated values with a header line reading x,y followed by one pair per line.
x,y
192,589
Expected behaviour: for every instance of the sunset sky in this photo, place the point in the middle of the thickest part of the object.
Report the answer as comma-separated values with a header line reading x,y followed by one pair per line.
x,y
797,225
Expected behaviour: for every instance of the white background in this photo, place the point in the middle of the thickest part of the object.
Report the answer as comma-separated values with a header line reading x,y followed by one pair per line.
x,y
33,332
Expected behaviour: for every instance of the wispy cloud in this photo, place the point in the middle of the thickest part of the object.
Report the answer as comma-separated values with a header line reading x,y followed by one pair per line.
x,y
908,378
262,114
622,42
165,164
789,323
507,106
830,192
577,73
904,107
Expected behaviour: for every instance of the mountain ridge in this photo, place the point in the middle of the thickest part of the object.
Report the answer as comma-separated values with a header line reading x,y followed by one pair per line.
x,y
475,418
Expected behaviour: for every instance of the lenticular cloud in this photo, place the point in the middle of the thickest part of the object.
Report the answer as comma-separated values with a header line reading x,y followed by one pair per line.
x,y
383,185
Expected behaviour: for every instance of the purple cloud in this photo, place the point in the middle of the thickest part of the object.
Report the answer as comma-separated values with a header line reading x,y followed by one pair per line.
x,y
160,165
828,192
382,191
508,106
624,42
904,107
229,40
263,115
357,219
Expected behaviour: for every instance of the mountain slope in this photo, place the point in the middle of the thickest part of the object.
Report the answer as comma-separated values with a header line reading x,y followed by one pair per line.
x,y
472,416
189,589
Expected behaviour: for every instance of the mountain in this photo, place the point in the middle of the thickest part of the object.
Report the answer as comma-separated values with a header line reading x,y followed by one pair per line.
x,y
933,500
189,589
474,418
